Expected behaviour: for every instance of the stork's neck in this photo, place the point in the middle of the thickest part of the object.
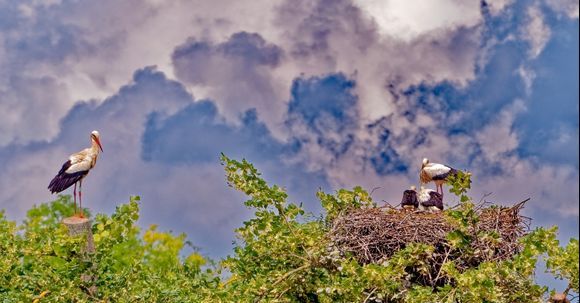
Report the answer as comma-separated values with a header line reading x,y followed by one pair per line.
x,y
95,149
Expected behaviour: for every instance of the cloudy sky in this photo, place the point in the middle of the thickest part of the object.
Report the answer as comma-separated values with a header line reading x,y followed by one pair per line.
x,y
316,93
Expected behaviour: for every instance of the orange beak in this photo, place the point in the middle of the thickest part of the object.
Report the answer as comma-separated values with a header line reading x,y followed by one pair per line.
x,y
99,143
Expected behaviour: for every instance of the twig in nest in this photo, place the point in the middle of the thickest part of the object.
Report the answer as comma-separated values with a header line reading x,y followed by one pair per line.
x,y
373,190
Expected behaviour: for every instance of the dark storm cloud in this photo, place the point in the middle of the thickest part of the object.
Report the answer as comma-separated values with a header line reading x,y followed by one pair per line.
x,y
251,48
193,59
314,98
197,134
326,106
236,72
312,24
384,159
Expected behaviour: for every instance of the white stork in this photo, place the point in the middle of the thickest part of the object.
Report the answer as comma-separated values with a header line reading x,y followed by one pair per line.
x,y
76,169
409,200
435,172
430,200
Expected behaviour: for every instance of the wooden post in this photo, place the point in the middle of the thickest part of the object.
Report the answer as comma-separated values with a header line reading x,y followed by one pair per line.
x,y
561,298
79,226
82,226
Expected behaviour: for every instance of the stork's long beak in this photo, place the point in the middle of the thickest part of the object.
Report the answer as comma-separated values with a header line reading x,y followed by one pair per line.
x,y
99,143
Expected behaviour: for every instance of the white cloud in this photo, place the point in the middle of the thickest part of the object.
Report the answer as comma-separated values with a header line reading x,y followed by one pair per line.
x,y
528,76
552,188
497,138
569,8
29,111
497,6
410,19
536,32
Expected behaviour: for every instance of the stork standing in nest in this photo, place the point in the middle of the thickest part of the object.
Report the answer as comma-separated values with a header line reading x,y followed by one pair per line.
x,y
409,200
435,172
76,169
430,200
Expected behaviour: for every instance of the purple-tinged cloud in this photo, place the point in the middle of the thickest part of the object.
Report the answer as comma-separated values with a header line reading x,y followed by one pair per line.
x,y
198,134
235,73
322,117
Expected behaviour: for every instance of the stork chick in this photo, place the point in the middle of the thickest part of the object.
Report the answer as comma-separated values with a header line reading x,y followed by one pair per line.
x,y
430,200
409,200
76,169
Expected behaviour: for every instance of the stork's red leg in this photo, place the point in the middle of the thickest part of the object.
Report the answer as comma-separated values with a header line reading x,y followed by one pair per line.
x,y
81,197
75,197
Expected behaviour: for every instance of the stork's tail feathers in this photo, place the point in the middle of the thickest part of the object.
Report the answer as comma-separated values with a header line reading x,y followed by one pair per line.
x,y
453,171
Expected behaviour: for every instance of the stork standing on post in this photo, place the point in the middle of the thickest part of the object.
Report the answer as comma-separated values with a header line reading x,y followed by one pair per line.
x,y
76,169
435,172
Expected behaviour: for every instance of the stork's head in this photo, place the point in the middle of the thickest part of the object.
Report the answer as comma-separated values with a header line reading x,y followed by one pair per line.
x,y
96,138
425,162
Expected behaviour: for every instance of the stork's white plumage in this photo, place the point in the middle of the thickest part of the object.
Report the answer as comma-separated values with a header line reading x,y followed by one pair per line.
x,y
430,200
76,169
435,172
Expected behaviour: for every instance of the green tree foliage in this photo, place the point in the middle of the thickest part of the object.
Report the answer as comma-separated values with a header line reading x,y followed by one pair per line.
x,y
282,254
286,256
39,262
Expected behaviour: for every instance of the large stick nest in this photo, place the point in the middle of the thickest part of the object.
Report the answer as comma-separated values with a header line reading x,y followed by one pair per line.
x,y
373,235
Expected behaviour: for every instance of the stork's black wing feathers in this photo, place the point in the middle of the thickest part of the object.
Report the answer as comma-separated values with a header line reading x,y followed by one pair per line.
x,y
410,198
435,199
444,176
63,180
64,167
